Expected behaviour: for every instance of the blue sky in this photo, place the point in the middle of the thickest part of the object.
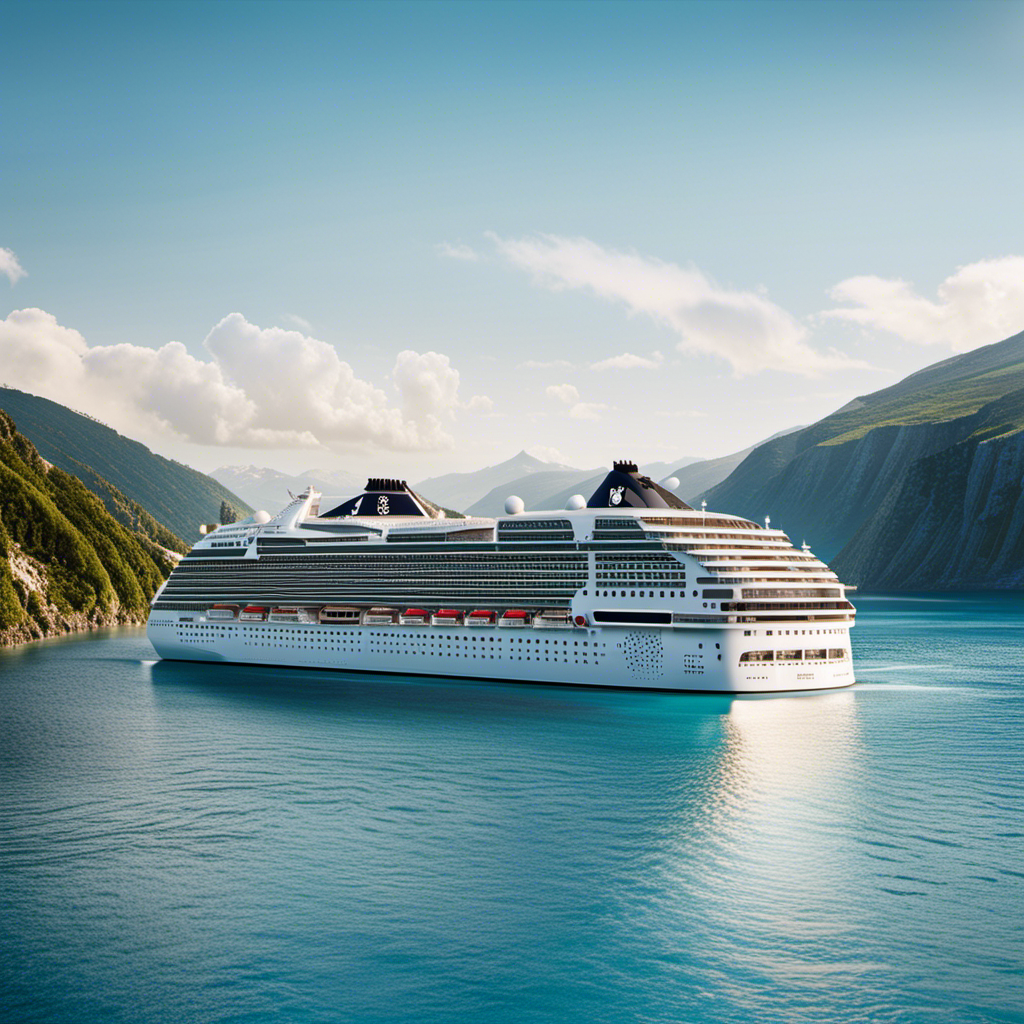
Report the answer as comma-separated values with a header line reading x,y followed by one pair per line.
x,y
488,187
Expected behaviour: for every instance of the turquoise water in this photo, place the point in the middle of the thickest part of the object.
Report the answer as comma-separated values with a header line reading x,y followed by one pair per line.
x,y
209,843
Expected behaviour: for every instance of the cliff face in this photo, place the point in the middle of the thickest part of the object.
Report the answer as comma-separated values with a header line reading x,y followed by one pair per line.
x,y
916,487
825,492
955,522
65,562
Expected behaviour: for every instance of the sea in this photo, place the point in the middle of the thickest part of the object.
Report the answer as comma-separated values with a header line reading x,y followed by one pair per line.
x,y
186,842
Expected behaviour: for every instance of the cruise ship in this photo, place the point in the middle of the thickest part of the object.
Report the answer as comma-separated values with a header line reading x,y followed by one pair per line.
x,y
632,588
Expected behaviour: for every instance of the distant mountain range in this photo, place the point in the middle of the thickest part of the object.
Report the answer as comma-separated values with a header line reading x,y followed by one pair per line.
x,y
919,486
541,485
122,472
464,490
268,488
694,476
483,493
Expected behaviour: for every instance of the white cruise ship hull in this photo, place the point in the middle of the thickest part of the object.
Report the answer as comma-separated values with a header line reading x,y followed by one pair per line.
x,y
673,658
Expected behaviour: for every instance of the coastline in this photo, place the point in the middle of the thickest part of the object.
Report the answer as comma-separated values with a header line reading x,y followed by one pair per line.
x,y
57,624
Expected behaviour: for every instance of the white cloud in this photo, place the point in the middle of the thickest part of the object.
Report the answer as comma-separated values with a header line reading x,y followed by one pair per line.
x,y
743,327
980,303
299,321
628,361
587,410
566,393
479,403
10,266
261,387
554,364
457,252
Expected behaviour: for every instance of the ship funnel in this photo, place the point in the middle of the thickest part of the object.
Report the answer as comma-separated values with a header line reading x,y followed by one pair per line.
x,y
625,487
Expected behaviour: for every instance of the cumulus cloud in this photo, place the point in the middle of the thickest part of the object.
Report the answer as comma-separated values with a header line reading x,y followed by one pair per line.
x,y
743,327
10,266
629,361
980,303
566,393
587,410
479,403
260,387
458,252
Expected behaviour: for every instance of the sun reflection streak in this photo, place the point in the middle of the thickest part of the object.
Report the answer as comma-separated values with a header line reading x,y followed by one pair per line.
x,y
764,865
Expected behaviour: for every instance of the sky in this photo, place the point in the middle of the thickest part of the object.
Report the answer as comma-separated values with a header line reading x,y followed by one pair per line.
x,y
414,238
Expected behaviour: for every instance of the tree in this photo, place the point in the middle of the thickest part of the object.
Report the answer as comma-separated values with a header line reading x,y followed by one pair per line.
x,y
228,513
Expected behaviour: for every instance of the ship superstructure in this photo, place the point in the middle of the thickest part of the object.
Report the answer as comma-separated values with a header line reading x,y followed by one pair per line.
x,y
633,588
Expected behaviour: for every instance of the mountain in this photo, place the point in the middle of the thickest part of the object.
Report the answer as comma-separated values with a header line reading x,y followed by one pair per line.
x,y
175,496
65,562
660,470
268,488
533,488
916,486
695,476
483,493
462,490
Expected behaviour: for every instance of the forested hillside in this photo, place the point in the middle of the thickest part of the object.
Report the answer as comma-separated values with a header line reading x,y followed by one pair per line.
x,y
65,562
172,495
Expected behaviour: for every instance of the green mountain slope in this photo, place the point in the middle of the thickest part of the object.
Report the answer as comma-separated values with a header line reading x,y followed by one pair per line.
x,y
176,497
863,485
65,562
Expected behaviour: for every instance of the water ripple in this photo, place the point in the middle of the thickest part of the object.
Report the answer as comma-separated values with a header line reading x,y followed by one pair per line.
x,y
215,843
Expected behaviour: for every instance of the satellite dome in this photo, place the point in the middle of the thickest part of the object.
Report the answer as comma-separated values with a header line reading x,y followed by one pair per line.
x,y
670,483
514,505
261,517
577,501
